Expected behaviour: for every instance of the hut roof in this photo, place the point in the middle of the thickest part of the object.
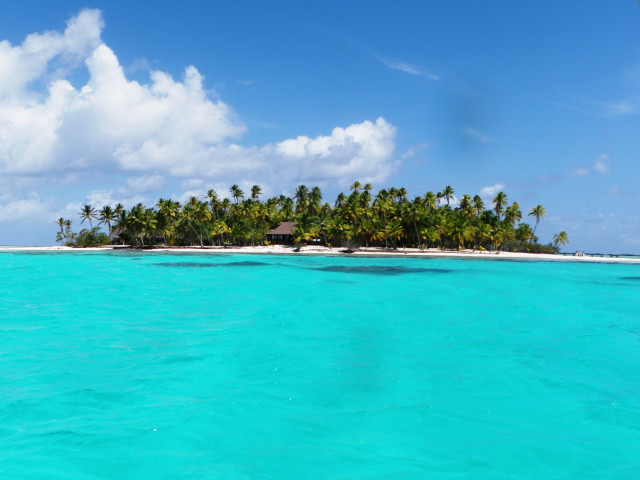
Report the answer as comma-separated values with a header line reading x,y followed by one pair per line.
x,y
285,228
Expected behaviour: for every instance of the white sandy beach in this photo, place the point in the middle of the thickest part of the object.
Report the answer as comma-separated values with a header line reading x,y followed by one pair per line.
x,y
361,252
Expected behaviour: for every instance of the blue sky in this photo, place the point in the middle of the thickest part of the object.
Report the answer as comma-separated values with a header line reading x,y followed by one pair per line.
x,y
132,101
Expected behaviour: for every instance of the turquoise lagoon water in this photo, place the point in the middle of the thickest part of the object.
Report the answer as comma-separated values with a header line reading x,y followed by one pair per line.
x,y
138,365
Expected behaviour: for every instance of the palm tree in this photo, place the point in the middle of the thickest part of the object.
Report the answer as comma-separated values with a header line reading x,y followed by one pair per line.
x,y
465,202
119,208
302,198
484,235
88,213
212,195
255,192
523,233
236,193
413,215
538,212
340,231
61,223
461,231
478,205
305,230
560,238
394,231
499,203
447,193
429,235
196,216
513,214
107,215
65,230
167,215
401,195
220,229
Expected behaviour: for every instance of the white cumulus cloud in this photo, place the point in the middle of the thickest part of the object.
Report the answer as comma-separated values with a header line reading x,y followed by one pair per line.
x,y
491,190
30,209
52,129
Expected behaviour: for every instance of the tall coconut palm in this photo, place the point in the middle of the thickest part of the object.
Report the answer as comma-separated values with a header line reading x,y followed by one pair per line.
x,y
107,215
305,230
88,213
499,203
413,214
236,193
394,231
256,191
538,212
340,231
401,194
484,235
512,214
560,238
212,195
461,231
119,208
302,198
167,216
61,222
523,233
465,203
65,229
447,193
315,197
478,205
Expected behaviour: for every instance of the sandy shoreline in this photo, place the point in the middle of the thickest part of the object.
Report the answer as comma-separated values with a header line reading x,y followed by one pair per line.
x,y
362,252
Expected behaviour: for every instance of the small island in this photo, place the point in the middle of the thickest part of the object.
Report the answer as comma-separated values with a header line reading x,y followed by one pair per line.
x,y
388,220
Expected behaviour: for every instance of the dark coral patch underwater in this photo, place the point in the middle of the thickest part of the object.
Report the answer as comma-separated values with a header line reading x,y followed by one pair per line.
x,y
381,269
208,265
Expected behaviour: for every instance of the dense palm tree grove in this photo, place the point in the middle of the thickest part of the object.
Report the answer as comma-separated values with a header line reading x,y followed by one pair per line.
x,y
388,219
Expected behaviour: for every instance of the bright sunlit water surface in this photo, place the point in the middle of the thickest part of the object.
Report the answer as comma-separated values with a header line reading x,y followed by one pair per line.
x,y
139,365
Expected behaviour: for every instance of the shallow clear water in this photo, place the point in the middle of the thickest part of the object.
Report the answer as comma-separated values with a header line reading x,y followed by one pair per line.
x,y
134,365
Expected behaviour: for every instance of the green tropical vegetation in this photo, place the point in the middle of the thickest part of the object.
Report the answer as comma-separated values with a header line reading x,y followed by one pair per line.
x,y
387,219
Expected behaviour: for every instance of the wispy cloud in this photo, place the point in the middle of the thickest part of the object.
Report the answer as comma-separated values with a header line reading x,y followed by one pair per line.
x,y
617,192
389,62
601,166
403,66
627,106
412,151
580,171
475,134
594,108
